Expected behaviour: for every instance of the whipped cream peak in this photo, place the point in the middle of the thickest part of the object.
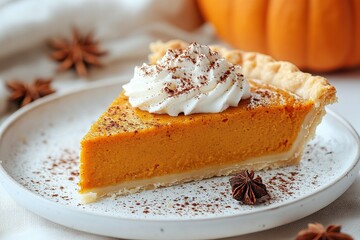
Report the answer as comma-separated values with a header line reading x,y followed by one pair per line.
x,y
191,80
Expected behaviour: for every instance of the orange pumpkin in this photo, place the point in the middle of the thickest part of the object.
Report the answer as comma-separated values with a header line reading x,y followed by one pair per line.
x,y
315,35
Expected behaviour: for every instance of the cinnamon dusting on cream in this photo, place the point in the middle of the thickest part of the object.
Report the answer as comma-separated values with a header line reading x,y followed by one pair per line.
x,y
191,80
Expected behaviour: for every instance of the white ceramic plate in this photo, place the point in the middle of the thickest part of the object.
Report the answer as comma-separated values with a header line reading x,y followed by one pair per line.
x,y
39,147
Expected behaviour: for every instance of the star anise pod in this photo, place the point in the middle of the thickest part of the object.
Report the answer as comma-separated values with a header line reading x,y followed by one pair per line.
x,y
80,53
25,93
246,189
317,231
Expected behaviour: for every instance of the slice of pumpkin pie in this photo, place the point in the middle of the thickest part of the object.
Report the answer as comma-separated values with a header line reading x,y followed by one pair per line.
x,y
197,112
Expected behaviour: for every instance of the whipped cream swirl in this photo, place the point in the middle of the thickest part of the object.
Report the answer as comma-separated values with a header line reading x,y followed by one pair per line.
x,y
193,80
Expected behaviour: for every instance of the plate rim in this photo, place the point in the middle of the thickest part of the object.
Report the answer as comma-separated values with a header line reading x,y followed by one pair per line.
x,y
5,176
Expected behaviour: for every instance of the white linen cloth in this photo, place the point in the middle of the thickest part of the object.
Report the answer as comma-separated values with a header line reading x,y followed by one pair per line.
x,y
124,29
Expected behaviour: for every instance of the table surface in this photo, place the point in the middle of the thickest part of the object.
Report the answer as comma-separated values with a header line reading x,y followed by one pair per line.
x,y
18,223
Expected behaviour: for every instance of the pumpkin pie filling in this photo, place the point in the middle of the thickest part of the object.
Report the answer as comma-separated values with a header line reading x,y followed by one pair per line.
x,y
129,150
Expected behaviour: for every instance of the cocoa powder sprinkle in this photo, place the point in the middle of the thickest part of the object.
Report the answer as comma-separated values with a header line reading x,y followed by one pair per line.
x,y
184,82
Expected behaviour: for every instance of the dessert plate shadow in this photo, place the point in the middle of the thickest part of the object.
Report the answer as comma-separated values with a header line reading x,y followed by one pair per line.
x,y
39,148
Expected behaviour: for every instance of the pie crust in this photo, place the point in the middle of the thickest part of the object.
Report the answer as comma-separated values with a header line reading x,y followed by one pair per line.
x,y
314,91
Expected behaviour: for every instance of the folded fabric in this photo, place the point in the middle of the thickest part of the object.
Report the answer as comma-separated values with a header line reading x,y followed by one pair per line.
x,y
123,28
